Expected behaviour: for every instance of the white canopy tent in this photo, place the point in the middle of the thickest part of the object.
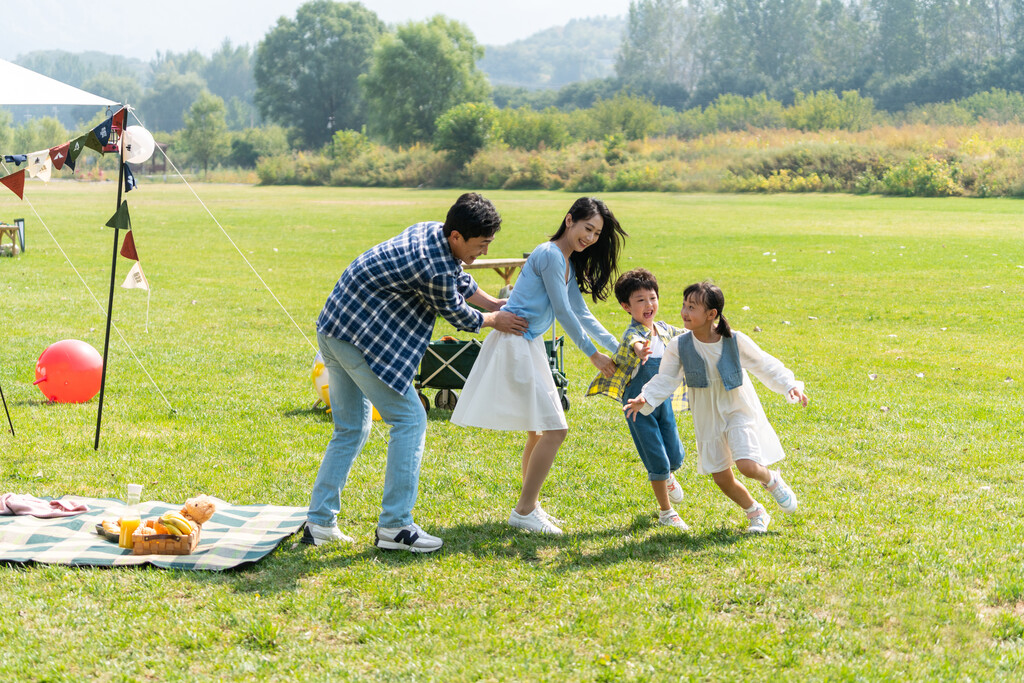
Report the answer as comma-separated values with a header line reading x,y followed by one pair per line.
x,y
21,86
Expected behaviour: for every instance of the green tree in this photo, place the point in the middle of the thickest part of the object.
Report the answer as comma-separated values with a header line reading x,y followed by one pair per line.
x,y
249,145
205,137
418,73
307,68
164,105
660,45
464,130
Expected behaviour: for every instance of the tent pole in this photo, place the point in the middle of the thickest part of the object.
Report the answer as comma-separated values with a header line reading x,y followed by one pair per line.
x,y
6,411
113,276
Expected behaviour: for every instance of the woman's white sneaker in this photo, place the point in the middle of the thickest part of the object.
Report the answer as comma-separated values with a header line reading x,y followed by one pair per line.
x,y
535,521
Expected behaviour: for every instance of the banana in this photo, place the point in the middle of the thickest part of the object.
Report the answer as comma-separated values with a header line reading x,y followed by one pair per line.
x,y
173,525
183,522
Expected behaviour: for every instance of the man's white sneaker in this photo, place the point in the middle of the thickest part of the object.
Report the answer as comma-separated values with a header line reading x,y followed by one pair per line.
x,y
781,492
315,534
535,521
758,520
671,518
411,538
675,492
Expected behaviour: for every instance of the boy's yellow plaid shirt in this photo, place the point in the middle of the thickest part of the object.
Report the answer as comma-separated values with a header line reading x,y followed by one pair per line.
x,y
626,362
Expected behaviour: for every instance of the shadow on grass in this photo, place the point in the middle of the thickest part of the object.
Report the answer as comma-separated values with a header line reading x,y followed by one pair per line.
x,y
641,539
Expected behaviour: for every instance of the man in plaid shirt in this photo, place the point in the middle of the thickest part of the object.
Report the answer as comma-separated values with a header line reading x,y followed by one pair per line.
x,y
372,333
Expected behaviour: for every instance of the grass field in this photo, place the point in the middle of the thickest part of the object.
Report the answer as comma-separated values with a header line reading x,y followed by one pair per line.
x,y
903,562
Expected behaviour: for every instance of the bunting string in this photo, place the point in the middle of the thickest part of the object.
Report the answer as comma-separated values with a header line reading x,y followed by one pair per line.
x,y
226,235
103,311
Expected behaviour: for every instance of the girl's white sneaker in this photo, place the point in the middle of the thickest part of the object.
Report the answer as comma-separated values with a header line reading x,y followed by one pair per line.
x,y
758,520
781,492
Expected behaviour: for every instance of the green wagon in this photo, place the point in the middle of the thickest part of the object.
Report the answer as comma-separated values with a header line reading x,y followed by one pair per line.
x,y
447,362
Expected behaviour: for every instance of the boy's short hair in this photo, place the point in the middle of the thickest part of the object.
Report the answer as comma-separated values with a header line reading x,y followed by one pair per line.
x,y
472,215
633,280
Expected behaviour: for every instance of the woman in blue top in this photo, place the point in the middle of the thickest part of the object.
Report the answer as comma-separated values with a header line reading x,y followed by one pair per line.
x,y
510,386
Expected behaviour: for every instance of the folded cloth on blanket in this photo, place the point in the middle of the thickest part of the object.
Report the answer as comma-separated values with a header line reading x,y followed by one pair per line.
x,y
235,535
24,504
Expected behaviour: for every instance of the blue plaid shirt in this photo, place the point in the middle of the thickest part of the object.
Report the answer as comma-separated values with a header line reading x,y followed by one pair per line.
x,y
386,301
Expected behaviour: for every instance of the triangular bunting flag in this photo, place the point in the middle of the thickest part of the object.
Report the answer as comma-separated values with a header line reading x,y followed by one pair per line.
x,y
117,120
75,149
102,132
136,279
93,142
16,183
128,247
59,155
39,165
129,179
16,159
121,218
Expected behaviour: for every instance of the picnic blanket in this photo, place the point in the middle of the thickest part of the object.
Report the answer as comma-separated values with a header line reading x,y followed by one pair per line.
x,y
235,535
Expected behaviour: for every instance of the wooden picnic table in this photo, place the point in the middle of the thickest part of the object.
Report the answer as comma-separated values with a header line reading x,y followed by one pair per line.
x,y
505,267
10,231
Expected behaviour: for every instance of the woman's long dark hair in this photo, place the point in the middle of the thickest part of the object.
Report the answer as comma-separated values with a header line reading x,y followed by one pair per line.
x,y
710,296
597,264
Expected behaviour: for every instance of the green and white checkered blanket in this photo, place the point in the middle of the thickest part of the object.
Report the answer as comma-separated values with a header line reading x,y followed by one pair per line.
x,y
235,535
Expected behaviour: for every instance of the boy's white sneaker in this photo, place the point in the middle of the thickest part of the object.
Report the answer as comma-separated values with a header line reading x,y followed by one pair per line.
x,y
781,492
535,521
675,492
758,520
671,518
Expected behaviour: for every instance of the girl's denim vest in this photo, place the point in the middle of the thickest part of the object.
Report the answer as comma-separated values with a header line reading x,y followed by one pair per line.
x,y
696,370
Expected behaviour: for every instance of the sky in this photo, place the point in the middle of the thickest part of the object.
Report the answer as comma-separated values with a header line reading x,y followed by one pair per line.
x,y
145,27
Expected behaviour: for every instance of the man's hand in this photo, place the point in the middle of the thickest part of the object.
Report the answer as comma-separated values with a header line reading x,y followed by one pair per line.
x,y
503,321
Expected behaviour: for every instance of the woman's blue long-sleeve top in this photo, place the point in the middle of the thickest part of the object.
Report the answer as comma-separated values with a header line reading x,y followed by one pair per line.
x,y
541,295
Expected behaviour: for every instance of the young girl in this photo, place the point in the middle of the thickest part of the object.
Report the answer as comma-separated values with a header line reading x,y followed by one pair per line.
x,y
510,386
728,421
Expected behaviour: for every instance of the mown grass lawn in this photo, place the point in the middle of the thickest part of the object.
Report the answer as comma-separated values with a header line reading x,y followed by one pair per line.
x,y
904,561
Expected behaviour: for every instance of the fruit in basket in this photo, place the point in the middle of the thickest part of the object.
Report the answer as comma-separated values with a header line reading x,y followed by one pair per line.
x,y
176,524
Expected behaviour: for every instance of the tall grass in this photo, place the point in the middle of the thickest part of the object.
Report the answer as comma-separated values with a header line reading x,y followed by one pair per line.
x,y
903,561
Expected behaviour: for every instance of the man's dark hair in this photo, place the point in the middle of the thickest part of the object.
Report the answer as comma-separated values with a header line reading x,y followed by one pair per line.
x,y
472,216
633,280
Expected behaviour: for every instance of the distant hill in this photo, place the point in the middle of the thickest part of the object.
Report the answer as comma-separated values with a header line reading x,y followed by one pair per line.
x,y
582,50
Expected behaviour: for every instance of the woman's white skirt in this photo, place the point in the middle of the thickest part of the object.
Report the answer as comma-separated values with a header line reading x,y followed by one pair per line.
x,y
510,387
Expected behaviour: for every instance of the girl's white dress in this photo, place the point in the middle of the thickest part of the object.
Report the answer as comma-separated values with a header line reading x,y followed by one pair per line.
x,y
728,425
510,385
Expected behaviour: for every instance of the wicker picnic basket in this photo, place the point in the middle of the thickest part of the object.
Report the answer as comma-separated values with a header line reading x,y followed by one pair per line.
x,y
165,544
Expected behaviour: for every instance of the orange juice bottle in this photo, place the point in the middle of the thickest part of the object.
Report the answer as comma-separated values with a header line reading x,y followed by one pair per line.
x,y
130,517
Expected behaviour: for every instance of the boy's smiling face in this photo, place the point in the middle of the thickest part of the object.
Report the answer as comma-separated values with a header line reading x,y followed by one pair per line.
x,y
643,306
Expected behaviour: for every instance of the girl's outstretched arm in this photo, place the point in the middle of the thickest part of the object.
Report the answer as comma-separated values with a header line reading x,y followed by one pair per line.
x,y
770,370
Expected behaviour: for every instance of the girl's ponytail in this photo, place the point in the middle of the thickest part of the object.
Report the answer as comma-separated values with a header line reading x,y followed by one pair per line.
x,y
711,297
723,326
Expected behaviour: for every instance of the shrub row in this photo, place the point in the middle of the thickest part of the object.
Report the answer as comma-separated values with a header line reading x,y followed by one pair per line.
x,y
935,161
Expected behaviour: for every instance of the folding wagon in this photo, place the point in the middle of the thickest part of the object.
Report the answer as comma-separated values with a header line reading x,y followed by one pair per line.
x,y
447,362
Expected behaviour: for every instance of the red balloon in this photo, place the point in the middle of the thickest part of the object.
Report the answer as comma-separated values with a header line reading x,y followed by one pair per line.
x,y
69,371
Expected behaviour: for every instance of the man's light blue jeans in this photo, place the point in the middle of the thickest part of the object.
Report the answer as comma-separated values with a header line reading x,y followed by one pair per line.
x,y
353,386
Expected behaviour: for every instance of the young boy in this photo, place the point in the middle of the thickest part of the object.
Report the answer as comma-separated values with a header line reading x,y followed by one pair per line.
x,y
637,361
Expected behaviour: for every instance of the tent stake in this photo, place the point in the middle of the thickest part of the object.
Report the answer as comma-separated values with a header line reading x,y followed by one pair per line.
x,y
113,276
